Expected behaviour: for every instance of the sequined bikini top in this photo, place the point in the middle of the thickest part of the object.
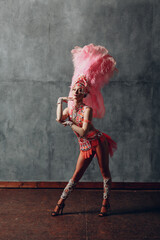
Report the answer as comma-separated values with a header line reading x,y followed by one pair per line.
x,y
77,114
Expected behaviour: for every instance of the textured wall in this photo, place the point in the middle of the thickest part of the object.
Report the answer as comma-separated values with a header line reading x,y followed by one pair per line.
x,y
36,37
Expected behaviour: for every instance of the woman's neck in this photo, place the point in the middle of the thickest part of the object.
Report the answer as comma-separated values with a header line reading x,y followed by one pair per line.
x,y
77,103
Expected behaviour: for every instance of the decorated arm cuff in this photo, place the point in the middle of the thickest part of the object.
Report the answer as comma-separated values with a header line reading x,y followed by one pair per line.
x,y
59,100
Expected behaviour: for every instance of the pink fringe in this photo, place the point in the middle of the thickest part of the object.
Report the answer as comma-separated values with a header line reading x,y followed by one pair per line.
x,y
112,145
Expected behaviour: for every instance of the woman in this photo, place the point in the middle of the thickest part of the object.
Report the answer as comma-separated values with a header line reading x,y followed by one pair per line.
x,y
79,115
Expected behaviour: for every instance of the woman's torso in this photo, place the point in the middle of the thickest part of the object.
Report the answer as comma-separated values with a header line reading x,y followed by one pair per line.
x,y
77,117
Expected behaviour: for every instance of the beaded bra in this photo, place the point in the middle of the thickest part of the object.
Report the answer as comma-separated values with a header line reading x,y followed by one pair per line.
x,y
77,116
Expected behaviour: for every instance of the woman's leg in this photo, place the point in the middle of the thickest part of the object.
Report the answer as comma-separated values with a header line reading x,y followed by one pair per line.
x,y
102,153
81,166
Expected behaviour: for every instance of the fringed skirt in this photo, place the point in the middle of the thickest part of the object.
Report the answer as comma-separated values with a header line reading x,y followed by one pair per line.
x,y
89,143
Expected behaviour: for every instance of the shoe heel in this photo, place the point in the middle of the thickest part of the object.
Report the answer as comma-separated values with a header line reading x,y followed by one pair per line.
x,y
108,207
62,209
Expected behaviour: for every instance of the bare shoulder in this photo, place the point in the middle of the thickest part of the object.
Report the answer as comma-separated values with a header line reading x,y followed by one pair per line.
x,y
88,109
88,112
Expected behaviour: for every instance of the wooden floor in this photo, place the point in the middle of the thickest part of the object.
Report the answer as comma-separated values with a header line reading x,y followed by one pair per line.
x,y
25,214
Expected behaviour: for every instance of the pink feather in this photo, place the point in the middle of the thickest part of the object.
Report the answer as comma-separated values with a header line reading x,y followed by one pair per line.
x,y
98,66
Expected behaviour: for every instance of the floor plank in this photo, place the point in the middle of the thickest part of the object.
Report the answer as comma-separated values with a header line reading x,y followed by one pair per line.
x,y
26,215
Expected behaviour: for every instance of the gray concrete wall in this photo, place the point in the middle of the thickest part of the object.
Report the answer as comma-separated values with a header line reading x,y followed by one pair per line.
x,y
36,37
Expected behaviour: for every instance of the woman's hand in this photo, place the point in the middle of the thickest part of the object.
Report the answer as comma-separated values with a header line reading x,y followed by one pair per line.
x,y
67,123
64,99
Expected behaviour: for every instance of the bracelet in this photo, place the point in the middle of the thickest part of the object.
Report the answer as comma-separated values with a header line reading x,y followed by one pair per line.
x,y
87,121
59,101
69,123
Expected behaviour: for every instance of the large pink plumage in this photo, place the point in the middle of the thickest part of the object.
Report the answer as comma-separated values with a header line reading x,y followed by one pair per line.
x,y
98,66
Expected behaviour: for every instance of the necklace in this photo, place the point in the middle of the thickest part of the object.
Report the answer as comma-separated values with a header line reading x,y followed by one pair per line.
x,y
75,111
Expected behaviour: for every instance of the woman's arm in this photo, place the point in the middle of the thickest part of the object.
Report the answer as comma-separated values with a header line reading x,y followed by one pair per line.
x,y
82,131
61,114
64,115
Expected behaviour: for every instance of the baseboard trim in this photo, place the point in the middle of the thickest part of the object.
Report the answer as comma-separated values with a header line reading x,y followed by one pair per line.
x,y
115,185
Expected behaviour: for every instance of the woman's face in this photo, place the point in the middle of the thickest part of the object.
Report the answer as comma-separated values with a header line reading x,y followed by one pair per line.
x,y
77,92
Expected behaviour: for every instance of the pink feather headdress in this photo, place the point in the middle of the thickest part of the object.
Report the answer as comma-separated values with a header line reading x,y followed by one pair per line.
x,y
97,66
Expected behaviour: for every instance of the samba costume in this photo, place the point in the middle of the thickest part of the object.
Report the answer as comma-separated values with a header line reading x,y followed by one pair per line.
x,y
93,67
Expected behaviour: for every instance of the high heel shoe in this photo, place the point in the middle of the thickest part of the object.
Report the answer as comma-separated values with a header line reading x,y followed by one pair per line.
x,y
108,208
60,209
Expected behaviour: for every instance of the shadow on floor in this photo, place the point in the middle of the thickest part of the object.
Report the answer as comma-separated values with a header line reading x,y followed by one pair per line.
x,y
119,211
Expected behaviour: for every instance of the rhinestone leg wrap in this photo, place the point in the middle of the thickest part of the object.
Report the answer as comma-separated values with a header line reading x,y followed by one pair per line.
x,y
107,187
68,189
